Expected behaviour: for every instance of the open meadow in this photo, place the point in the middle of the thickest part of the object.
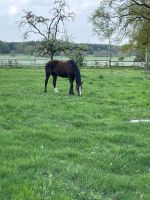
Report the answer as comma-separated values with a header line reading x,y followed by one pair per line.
x,y
22,60
31,57
61,147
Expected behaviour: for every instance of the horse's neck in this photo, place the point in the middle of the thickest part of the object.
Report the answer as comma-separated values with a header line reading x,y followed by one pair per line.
x,y
78,77
76,71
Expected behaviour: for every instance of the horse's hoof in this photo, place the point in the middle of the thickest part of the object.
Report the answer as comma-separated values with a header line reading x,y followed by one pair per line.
x,y
56,90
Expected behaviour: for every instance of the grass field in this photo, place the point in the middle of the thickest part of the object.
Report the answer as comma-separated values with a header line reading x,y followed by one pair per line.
x,y
61,147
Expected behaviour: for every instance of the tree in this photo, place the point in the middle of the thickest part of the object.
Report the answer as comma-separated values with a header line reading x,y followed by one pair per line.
x,y
29,49
76,52
141,40
51,29
134,22
131,11
103,25
4,47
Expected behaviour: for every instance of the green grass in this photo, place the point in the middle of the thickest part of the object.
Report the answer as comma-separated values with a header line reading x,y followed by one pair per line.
x,y
61,147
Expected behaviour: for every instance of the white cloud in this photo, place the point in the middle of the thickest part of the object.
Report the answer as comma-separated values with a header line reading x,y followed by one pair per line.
x,y
25,1
82,6
22,2
88,4
14,6
13,10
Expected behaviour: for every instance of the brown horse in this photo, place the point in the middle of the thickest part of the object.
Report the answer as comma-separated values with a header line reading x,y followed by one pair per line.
x,y
66,69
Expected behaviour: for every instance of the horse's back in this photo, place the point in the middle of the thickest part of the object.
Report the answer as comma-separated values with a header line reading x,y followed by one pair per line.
x,y
59,68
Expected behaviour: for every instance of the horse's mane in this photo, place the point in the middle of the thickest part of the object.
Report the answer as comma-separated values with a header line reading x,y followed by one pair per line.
x,y
76,71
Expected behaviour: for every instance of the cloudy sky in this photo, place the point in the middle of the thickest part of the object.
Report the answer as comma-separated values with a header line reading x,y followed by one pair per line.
x,y
80,29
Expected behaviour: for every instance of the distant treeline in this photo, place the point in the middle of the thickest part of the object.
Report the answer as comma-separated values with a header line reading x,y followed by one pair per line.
x,y
17,47
28,48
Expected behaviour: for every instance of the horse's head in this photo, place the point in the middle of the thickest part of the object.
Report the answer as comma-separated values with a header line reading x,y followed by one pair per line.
x,y
79,88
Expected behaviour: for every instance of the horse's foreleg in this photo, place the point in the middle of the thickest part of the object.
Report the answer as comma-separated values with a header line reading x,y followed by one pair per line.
x,y
71,86
46,81
54,83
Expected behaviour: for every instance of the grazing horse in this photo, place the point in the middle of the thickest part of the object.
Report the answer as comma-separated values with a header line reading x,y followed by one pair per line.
x,y
66,69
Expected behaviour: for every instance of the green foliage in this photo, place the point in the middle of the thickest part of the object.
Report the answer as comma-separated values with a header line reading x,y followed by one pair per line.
x,y
140,57
68,147
18,47
50,28
121,58
76,52
104,25
130,12
4,47
29,48
79,58
134,21
49,47
140,42
12,53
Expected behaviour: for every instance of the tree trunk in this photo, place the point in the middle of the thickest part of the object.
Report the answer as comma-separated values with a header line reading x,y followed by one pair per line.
x,y
146,60
52,56
110,53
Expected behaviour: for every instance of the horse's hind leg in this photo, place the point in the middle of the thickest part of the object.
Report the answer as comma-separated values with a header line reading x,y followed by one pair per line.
x,y
54,83
46,81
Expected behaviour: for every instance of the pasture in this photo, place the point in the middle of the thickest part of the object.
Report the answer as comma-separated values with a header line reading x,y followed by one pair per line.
x,y
31,57
61,147
22,61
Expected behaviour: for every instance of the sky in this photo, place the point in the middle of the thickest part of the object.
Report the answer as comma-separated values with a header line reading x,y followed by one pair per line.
x,y
80,29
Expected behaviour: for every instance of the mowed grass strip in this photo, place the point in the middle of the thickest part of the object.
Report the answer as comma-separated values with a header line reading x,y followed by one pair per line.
x,y
61,147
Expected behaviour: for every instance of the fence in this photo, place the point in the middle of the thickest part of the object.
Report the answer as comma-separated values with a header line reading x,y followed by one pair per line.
x,y
22,62
88,63
116,63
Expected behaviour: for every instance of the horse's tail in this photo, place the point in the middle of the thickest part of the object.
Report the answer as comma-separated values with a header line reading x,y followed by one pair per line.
x,y
47,66
76,71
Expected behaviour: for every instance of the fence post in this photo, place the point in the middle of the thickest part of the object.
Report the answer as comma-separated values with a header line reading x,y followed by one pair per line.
x,y
35,63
